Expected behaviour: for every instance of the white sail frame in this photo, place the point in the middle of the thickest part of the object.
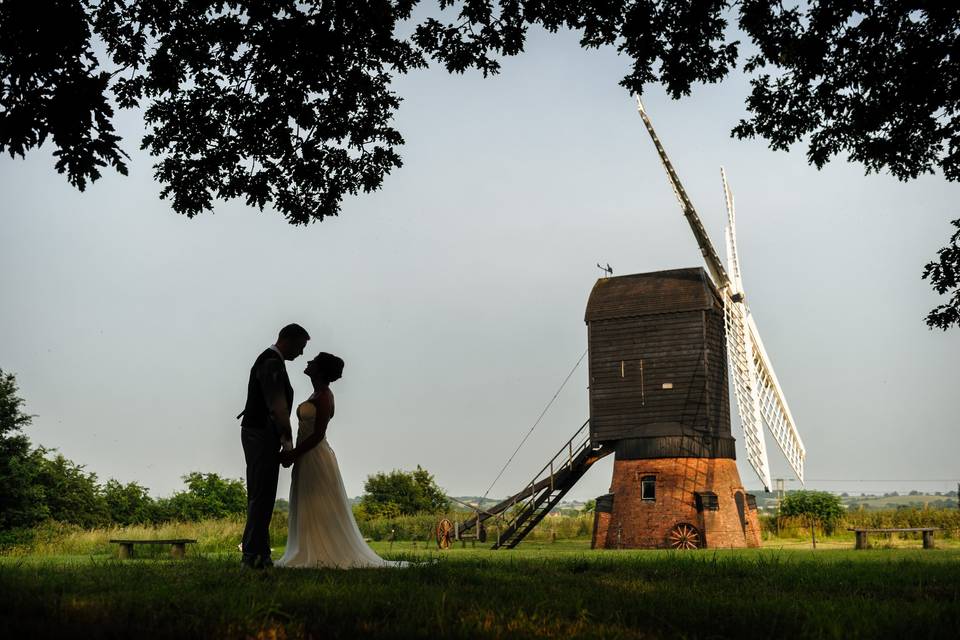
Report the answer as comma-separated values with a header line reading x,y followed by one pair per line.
x,y
757,390
760,400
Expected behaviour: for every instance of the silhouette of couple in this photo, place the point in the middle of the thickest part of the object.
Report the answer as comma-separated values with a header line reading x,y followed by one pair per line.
x,y
322,531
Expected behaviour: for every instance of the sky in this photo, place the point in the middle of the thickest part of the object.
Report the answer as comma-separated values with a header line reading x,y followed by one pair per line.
x,y
456,293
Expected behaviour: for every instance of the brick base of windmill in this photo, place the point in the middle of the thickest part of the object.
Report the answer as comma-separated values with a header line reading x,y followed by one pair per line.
x,y
681,503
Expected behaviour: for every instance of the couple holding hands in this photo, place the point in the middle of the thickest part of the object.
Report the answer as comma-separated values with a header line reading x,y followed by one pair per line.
x,y
322,531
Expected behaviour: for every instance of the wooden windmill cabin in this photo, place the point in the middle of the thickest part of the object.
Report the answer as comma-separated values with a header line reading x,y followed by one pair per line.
x,y
659,399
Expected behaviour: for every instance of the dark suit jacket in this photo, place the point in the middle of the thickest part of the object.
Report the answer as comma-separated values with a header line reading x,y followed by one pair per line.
x,y
268,376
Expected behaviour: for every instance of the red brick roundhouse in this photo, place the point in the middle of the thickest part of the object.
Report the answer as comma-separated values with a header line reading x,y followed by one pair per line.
x,y
658,397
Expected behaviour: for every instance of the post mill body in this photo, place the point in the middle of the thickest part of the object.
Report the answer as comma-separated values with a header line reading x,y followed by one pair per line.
x,y
659,398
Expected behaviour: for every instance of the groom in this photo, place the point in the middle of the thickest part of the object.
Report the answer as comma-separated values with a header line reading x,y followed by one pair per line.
x,y
265,429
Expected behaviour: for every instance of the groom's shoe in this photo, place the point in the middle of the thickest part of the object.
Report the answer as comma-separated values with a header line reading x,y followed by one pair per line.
x,y
257,562
252,562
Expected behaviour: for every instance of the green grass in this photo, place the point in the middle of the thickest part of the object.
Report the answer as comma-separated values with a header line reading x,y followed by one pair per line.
x,y
540,590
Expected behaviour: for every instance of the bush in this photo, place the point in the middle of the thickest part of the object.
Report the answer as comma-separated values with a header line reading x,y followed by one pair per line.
x,y
70,494
402,493
817,507
208,496
128,504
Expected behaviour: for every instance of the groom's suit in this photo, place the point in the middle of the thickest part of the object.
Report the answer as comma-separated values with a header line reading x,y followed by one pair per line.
x,y
261,446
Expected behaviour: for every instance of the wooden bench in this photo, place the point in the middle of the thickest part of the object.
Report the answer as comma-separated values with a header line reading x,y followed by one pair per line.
x,y
178,549
862,542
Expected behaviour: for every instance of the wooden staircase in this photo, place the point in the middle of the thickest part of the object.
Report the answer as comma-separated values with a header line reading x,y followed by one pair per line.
x,y
525,509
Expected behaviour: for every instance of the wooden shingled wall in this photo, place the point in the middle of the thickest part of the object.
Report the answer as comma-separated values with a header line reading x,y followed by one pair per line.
x,y
657,358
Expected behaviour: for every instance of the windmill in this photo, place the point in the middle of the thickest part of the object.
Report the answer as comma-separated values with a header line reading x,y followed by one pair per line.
x,y
760,399
660,345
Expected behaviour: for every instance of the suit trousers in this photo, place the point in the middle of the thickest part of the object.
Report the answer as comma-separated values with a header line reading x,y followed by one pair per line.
x,y
260,449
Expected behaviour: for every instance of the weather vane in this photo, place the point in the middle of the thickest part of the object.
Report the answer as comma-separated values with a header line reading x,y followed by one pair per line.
x,y
608,270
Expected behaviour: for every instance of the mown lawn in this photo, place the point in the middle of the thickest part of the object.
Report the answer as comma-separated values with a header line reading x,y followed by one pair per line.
x,y
546,590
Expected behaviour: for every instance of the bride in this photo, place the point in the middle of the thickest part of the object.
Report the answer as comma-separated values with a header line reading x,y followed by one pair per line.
x,y
322,530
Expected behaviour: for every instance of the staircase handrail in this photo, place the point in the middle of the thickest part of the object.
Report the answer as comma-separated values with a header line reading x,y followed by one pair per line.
x,y
537,484
567,447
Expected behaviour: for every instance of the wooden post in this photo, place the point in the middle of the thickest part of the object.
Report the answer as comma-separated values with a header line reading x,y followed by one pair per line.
x,y
861,539
179,550
928,539
126,550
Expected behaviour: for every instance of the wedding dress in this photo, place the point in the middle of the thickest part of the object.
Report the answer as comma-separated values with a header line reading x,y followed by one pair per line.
x,y
321,529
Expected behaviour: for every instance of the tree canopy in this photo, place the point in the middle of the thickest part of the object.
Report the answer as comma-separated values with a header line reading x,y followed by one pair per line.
x,y
19,494
816,507
289,104
402,493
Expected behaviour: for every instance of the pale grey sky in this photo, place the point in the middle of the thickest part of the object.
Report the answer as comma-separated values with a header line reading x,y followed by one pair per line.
x,y
456,293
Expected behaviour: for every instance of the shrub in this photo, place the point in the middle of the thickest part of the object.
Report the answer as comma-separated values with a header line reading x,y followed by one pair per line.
x,y
402,493
207,496
128,504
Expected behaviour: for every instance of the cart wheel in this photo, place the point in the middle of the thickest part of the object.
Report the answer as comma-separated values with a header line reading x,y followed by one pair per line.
x,y
684,536
444,534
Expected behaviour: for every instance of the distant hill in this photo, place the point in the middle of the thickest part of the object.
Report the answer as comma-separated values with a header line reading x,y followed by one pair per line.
x,y
917,500
767,501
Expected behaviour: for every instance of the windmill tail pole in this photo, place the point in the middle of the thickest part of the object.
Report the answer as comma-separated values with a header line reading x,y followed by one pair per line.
x,y
714,264
473,507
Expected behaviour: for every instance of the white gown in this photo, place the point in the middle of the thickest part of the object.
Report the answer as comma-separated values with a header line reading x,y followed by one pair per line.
x,y
321,529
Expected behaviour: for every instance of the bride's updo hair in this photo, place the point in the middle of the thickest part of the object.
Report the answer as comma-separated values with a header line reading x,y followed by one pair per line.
x,y
328,364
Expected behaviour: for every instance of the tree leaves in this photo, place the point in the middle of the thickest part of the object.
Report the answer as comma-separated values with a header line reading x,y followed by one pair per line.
x,y
402,493
50,87
289,104
818,506
278,103
944,275
879,81
875,80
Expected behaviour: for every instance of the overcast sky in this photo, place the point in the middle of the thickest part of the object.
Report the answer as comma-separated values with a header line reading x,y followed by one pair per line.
x,y
456,292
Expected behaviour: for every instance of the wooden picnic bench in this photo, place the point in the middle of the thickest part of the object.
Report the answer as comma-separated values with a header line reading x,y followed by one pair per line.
x,y
862,542
178,549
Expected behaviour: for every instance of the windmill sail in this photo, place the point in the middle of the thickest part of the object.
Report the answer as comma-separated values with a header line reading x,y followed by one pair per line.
x,y
756,387
703,240
773,405
760,399
740,353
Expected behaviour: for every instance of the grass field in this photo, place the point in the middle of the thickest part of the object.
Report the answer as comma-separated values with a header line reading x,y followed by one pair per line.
x,y
536,591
